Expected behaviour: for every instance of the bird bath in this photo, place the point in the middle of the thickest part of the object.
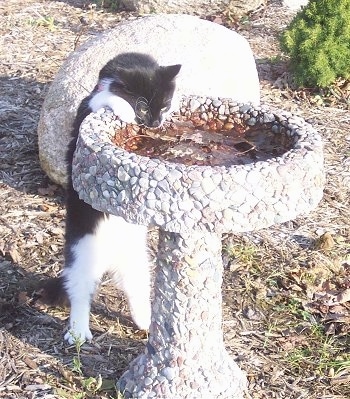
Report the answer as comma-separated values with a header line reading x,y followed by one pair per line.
x,y
193,205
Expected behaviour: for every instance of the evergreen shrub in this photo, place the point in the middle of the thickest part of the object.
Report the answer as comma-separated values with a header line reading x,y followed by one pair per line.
x,y
318,43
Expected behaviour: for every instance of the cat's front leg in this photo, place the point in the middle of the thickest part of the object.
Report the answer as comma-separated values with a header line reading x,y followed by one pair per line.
x,y
78,322
118,105
81,276
80,289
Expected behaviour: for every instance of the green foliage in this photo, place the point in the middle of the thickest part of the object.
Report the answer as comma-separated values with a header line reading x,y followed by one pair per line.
x,y
320,355
76,366
318,42
45,21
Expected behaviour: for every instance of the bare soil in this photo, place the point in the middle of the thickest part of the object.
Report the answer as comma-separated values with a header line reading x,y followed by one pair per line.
x,y
286,289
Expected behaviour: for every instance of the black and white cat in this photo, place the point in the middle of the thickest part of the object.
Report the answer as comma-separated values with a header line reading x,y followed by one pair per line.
x,y
137,90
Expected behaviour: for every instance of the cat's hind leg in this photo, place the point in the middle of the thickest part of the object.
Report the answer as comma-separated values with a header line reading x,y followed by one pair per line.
x,y
138,295
131,272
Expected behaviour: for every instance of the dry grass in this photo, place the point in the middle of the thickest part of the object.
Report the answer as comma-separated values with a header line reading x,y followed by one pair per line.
x,y
286,289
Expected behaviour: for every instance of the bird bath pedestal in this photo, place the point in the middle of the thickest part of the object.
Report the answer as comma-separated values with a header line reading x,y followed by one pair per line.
x,y
193,205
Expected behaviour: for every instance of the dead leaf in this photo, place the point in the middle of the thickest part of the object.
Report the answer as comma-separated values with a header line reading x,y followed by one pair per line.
x,y
23,298
47,208
56,231
330,329
252,313
30,363
337,318
39,236
14,254
54,247
292,341
218,20
2,248
340,380
325,242
342,297
49,190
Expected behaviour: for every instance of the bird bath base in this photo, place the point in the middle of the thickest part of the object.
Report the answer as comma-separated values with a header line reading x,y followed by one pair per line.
x,y
192,206
185,355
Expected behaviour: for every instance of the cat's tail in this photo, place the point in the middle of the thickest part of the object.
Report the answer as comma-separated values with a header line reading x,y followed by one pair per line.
x,y
53,293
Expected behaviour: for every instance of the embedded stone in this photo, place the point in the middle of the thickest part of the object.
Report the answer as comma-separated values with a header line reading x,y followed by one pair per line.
x,y
174,175
268,118
92,170
147,381
194,105
217,103
159,173
185,205
208,185
122,174
143,182
169,373
122,196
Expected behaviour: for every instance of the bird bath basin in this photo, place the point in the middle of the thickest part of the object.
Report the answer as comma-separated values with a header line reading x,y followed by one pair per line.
x,y
275,174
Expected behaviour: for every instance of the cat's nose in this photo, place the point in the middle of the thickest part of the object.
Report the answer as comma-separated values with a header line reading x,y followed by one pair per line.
x,y
156,123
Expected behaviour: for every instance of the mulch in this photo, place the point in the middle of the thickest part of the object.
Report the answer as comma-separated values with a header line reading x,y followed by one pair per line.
x,y
286,288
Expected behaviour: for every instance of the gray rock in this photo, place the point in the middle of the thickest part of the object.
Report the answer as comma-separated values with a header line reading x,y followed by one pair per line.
x,y
171,39
169,373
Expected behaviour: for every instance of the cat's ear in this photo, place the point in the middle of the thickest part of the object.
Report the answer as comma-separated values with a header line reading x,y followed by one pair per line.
x,y
169,72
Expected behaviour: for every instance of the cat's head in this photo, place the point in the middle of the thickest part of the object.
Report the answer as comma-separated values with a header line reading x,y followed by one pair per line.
x,y
144,84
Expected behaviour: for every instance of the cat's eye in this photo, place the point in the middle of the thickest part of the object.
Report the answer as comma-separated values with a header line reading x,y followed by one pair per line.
x,y
126,90
165,109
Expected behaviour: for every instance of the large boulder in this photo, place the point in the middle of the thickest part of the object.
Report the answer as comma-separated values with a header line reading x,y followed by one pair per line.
x,y
215,62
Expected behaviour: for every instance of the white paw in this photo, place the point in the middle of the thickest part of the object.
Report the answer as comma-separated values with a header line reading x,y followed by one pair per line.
x,y
124,111
74,335
118,105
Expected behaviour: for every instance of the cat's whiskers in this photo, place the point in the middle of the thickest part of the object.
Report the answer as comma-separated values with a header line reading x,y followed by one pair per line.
x,y
143,102
142,108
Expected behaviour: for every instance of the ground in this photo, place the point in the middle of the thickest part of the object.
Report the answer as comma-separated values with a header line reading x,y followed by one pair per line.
x,y
286,289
